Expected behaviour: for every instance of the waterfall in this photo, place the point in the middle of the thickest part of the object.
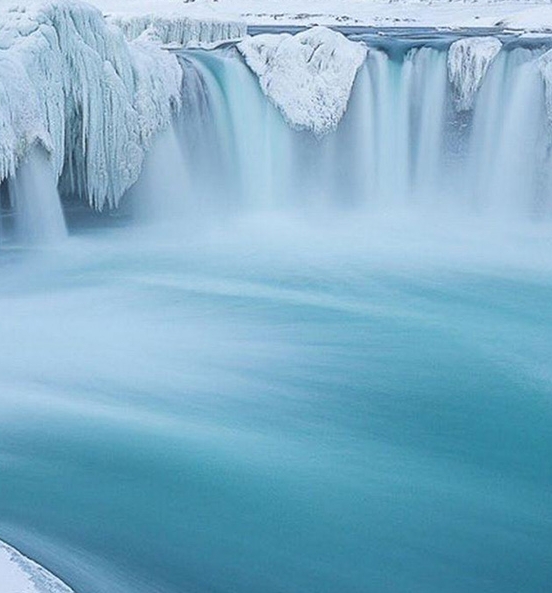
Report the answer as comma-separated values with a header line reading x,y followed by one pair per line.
x,y
455,126
34,196
511,138
408,140
161,190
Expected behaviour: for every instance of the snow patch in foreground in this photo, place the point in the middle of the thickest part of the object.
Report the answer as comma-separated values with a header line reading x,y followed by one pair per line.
x,y
308,76
19,574
468,62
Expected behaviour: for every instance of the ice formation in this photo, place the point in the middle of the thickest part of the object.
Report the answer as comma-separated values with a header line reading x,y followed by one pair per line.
x,y
21,575
72,83
178,30
545,67
468,62
308,76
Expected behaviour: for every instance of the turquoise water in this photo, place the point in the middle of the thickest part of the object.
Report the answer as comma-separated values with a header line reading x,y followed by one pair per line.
x,y
280,410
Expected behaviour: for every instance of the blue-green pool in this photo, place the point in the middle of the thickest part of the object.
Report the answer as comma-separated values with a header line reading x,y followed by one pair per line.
x,y
279,411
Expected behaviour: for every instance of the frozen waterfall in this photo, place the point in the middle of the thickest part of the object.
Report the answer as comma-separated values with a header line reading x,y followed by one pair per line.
x,y
94,101
426,123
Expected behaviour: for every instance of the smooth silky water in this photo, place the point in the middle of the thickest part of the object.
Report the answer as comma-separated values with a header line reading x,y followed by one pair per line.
x,y
327,371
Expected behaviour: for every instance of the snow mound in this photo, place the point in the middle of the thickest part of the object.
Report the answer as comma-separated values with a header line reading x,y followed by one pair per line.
x,y
308,76
18,574
179,30
468,62
72,82
533,18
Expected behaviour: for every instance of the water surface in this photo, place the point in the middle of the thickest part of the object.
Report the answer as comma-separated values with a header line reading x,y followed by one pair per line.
x,y
280,407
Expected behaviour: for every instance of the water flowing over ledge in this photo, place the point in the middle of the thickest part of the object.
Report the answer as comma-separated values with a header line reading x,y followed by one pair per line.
x,y
431,125
19,574
361,120
71,82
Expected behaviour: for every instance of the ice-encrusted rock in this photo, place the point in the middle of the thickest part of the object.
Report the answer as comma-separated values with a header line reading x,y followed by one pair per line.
x,y
19,574
73,83
544,64
308,76
468,62
179,30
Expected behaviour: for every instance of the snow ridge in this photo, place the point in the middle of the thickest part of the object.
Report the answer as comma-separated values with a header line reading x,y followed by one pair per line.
x,y
71,82
468,62
21,575
308,76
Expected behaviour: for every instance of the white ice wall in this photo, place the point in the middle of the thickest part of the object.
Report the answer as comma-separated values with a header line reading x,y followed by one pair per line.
x,y
72,82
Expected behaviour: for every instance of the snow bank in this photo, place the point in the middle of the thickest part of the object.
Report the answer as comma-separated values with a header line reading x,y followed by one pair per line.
x,y
179,30
468,62
308,76
18,574
71,82
536,18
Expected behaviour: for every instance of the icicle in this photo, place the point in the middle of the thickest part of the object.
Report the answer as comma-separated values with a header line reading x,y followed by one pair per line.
x,y
73,83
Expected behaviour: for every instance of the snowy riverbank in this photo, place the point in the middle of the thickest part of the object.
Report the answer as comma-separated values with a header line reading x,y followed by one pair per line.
x,y
19,574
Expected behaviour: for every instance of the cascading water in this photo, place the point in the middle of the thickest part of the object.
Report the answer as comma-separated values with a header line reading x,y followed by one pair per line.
x,y
411,140
35,200
235,143
403,143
